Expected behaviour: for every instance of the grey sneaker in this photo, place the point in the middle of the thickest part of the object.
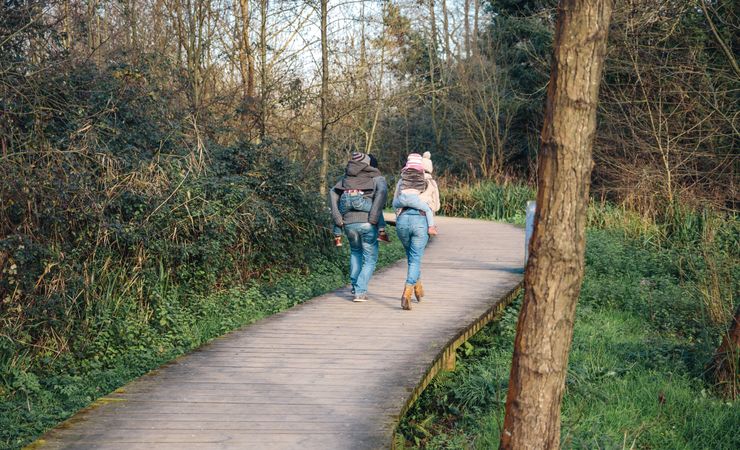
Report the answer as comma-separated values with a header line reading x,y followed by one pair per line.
x,y
360,298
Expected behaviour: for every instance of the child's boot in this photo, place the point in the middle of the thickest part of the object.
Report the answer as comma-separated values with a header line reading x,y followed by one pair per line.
x,y
337,241
406,296
383,236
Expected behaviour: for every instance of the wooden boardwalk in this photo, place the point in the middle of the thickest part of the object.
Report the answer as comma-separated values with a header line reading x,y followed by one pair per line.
x,y
327,374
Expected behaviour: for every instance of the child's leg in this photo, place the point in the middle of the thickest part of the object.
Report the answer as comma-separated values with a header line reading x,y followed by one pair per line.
x,y
344,204
359,202
381,222
414,201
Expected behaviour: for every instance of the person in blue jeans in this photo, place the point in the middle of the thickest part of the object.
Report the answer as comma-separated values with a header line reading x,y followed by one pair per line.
x,y
360,227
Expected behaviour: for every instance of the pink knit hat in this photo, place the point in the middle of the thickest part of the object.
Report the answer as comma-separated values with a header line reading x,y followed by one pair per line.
x,y
414,162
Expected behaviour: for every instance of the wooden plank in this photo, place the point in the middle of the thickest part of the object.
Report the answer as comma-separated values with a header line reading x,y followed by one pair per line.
x,y
327,374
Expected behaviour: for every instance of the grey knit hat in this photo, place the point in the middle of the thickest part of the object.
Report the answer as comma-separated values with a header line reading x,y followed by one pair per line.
x,y
360,157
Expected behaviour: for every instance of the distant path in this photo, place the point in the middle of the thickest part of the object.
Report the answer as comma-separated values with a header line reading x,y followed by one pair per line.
x,y
327,374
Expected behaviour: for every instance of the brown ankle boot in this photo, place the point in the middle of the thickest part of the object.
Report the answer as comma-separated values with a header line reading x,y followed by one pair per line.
x,y
418,291
406,296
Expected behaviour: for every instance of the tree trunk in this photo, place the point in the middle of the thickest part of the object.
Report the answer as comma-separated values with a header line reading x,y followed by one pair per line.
x,y
555,269
466,23
436,128
246,58
726,362
91,28
379,88
324,98
476,15
446,31
263,68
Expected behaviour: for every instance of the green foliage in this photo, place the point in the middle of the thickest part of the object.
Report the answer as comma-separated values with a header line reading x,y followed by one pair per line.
x,y
487,201
654,303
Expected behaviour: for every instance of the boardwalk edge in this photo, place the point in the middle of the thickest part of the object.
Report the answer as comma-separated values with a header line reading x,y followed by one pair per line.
x,y
445,358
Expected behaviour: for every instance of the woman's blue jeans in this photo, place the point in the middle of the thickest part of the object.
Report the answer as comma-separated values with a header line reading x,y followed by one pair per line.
x,y
411,228
363,246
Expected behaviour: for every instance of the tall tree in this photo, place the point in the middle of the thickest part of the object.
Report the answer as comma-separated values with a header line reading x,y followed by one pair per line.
x,y
246,57
466,24
555,269
324,99
263,68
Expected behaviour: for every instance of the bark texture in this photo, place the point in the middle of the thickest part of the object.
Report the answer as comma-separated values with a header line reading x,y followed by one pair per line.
x,y
555,269
726,362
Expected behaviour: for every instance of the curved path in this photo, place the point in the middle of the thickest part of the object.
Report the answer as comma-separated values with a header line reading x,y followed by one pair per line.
x,y
327,374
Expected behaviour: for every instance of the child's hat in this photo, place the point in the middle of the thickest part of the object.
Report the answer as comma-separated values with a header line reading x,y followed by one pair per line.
x,y
413,157
360,157
414,162
426,161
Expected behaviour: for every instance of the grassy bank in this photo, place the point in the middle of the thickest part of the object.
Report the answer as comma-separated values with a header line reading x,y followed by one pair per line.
x,y
655,300
35,400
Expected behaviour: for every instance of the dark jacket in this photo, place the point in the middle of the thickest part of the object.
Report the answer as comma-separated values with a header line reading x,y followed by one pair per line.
x,y
378,194
359,175
413,179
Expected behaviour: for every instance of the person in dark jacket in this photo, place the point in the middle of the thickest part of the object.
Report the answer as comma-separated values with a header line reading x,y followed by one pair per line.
x,y
358,175
360,227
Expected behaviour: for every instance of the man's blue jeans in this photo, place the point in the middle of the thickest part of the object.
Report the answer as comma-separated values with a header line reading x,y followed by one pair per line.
x,y
363,245
411,228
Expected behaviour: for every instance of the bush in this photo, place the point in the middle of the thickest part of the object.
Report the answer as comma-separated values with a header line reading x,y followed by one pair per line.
x,y
105,207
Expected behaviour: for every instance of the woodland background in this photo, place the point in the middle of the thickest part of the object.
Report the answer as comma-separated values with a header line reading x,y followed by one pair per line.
x,y
153,151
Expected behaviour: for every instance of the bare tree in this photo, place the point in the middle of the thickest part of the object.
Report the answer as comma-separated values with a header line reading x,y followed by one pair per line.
x,y
324,99
246,56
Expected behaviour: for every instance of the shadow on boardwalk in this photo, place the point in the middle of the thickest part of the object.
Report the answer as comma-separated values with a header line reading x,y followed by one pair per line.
x,y
327,374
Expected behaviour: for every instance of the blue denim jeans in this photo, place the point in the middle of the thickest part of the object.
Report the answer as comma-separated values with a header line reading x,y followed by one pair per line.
x,y
411,228
363,246
355,202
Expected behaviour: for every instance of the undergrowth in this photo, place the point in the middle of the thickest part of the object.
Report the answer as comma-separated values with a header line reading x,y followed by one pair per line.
x,y
655,301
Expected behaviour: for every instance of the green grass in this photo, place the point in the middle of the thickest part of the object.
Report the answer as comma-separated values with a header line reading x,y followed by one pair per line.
x,y
487,201
32,401
636,376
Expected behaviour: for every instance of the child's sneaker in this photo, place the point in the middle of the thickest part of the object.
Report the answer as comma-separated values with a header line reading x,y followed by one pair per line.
x,y
337,241
432,231
383,236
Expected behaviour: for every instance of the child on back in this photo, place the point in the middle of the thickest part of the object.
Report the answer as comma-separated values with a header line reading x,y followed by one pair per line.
x,y
356,185
411,186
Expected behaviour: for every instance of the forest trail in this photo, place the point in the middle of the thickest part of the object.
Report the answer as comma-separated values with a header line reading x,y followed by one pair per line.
x,y
326,374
